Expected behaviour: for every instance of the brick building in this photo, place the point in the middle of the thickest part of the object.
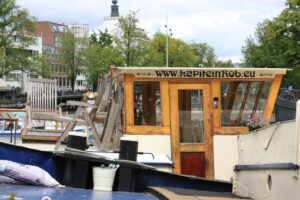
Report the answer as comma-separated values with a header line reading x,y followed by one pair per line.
x,y
50,33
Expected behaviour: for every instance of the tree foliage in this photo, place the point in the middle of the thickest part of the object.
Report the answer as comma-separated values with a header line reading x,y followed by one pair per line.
x,y
276,43
130,40
100,55
15,23
73,54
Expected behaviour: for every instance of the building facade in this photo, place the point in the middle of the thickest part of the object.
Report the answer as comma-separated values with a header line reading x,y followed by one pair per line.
x,y
51,33
18,78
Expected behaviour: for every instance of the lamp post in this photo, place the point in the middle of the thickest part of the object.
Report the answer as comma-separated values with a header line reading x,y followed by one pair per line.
x,y
167,46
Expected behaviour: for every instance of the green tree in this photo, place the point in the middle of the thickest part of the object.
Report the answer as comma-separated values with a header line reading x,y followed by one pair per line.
x,y
223,64
102,38
204,54
130,40
73,54
101,54
180,53
276,43
14,24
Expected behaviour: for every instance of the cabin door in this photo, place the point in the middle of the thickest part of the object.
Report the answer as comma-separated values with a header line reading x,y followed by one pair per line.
x,y
191,129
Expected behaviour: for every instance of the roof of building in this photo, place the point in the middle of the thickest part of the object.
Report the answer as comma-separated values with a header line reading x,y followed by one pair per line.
x,y
187,72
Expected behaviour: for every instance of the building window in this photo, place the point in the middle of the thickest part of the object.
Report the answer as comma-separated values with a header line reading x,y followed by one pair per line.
x,y
146,103
241,100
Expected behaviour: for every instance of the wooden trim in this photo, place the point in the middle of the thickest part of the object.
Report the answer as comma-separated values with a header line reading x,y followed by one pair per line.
x,y
244,101
13,110
216,112
233,88
188,147
143,130
128,103
230,130
165,103
272,96
261,87
128,100
209,155
178,147
175,128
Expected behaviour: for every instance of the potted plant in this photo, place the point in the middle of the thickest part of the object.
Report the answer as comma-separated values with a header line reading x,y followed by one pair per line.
x,y
256,122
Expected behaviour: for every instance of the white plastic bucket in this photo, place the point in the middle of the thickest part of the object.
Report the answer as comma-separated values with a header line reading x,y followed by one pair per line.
x,y
103,178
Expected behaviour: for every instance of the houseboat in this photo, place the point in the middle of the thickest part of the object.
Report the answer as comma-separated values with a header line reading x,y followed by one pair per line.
x,y
187,113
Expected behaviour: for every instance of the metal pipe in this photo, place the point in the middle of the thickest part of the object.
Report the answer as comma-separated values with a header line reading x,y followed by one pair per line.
x,y
296,158
167,46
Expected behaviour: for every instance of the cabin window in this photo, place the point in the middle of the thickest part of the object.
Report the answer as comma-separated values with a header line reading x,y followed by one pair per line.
x,y
146,103
191,124
241,100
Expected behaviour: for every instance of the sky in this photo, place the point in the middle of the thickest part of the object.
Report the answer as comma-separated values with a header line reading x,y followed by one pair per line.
x,y
222,24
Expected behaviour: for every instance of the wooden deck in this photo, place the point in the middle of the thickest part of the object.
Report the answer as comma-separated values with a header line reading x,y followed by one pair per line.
x,y
188,194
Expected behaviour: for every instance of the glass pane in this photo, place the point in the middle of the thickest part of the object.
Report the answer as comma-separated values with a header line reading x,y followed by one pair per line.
x,y
263,98
146,103
238,101
250,100
191,126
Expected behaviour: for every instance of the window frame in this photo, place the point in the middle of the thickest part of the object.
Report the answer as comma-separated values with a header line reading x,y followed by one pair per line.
x,y
130,128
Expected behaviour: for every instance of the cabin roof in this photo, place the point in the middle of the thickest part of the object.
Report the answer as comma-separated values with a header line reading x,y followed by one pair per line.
x,y
188,72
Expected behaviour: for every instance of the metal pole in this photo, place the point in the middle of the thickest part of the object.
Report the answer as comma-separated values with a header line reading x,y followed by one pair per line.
x,y
167,46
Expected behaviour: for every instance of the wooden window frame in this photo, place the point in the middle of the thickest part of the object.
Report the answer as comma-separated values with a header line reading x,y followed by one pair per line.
x,y
130,128
216,114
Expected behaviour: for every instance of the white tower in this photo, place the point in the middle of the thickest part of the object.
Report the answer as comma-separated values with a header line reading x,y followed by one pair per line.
x,y
111,23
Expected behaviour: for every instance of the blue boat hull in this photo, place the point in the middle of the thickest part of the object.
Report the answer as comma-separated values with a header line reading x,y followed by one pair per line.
x,y
138,176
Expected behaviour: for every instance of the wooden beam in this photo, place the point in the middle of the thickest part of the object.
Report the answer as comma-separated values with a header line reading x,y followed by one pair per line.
x,y
261,87
128,100
272,96
175,140
215,91
230,130
165,103
151,130
244,101
192,147
233,88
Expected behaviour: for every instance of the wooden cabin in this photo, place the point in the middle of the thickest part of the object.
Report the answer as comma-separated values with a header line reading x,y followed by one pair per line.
x,y
190,106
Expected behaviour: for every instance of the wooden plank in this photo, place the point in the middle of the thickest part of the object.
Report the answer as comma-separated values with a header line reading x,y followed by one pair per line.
x,y
13,110
164,193
107,135
192,147
12,116
82,104
272,96
5,116
100,91
94,131
70,127
128,89
27,137
106,95
230,130
45,130
151,130
193,163
216,112
175,128
207,108
165,103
